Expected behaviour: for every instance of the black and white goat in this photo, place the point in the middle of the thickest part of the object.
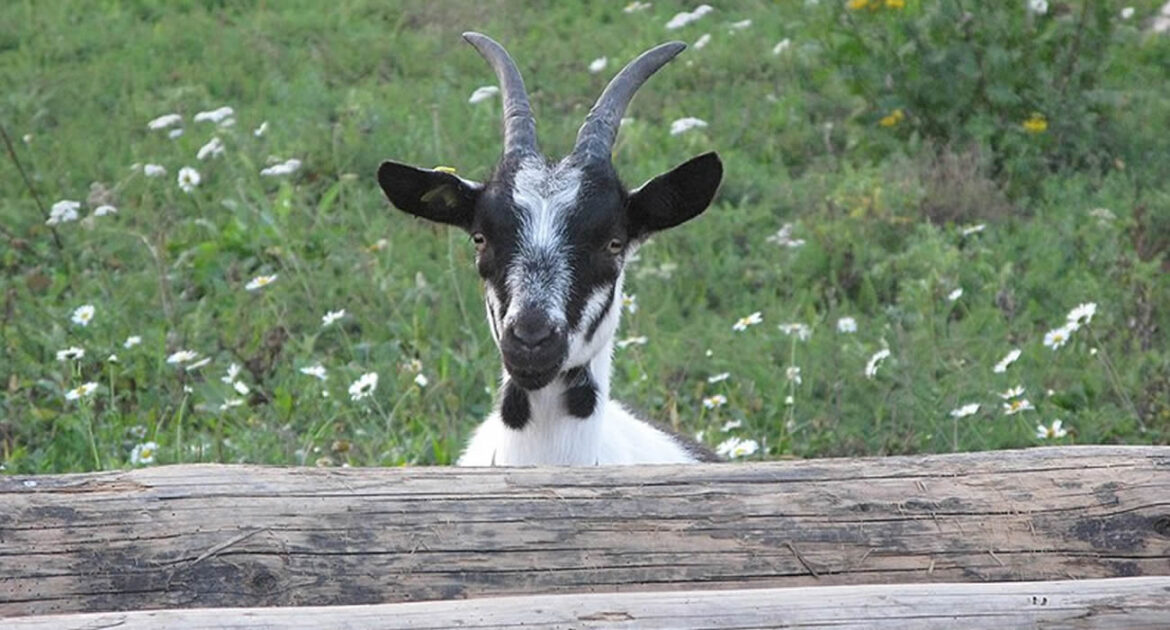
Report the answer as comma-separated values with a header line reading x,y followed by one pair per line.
x,y
552,240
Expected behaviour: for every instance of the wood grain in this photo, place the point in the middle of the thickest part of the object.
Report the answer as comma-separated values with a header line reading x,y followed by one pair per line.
x,y
244,536
1129,603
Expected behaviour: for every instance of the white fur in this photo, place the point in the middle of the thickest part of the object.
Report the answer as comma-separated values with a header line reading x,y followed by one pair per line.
x,y
545,197
612,435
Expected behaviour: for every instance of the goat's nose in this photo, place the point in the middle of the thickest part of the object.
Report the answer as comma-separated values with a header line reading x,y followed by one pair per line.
x,y
533,331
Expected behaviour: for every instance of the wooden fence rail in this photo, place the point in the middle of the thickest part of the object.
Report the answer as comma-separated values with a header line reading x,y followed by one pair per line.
x,y
1129,603
208,536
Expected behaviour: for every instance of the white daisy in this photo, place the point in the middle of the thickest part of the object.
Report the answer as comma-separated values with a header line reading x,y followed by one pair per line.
x,y
317,371
793,374
232,372
683,125
154,170
686,17
113,358
83,315
198,364
1014,392
70,354
241,388
332,316
846,325
965,410
751,320
483,93
718,378
718,400
634,7
956,294
783,237
261,130
143,453
1081,315
421,380
131,341
731,425
213,148
364,386
164,121
259,282
81,391
1055,430
632,341
874,361
737,447
800,331
597,65
104,210
702,41
1127,13
630,303
175,133
1008,359
1039,7
182,356
63,211
1057,337
216,115
188,179
973,229
781,46
231,402
287,167
740,25
1012,407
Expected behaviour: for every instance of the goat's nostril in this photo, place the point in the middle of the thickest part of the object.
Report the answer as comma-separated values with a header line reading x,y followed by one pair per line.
x,y
533,332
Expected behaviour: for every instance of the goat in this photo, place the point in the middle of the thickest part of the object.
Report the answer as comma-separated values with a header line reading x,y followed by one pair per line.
x,y
552,240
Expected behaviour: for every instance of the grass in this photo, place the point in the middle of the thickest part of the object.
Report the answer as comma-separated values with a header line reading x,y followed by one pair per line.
x,y
344,85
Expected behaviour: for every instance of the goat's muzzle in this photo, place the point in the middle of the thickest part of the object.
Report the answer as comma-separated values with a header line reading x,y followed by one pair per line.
x,y
534,348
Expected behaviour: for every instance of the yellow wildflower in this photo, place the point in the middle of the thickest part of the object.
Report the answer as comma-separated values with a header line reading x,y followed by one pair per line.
x,y
892,118
1036,124
856,5
895,4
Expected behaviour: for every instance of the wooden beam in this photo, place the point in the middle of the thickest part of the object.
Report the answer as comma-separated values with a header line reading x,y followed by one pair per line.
x,y
232,536
1128,603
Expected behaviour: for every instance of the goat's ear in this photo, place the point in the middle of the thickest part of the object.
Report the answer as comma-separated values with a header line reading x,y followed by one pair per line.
x,y
430,194
675,196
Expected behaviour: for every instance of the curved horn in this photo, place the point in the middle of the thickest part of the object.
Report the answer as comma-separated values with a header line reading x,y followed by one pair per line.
x,y
596,137
519,125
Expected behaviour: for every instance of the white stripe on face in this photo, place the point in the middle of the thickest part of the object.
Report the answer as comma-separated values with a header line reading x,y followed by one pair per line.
x,y
580,349
539,274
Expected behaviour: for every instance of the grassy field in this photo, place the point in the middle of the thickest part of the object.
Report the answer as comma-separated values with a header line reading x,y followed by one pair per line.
x,y
956,212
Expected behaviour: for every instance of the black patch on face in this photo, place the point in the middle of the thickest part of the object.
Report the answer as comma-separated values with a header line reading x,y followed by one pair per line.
x,y
596,323
515,410
598,218
581,393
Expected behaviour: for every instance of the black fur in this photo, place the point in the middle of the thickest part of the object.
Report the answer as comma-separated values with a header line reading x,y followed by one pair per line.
x,y
515,409
580,392
596,323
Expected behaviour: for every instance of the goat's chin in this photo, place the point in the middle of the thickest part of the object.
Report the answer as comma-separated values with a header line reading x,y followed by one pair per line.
x,y
533,379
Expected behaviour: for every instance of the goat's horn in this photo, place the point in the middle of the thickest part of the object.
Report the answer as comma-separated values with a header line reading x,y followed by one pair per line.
x,y
596,137
519,125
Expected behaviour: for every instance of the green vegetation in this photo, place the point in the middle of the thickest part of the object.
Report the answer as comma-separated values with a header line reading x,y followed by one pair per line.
x,y
883,132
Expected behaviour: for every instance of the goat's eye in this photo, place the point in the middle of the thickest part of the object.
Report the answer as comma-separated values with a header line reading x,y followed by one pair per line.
x,y
615,246
480,241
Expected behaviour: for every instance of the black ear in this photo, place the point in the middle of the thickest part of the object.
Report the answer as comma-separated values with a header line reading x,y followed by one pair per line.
x,y
675,196
430,194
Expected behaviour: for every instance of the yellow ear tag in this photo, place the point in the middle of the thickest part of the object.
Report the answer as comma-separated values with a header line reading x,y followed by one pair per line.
x,y
450,170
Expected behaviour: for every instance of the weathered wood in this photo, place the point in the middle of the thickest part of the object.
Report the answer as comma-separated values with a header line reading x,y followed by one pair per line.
x,y
218,536
1129,603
